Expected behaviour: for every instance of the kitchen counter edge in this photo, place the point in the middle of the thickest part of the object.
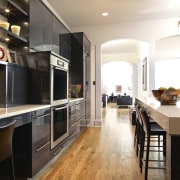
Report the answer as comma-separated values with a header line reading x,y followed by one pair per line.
x,y
16,110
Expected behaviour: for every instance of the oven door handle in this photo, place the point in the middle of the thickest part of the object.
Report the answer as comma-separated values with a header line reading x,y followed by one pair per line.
x,y
57,109
58,68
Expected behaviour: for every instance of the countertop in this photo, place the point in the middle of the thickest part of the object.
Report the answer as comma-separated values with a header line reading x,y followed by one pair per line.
x,y
167,116
16,110
12,111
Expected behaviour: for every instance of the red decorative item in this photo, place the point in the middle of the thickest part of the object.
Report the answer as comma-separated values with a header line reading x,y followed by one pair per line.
x,y
2,53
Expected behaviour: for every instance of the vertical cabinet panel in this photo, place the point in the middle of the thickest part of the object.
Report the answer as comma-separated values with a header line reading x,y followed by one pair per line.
x,y
14,83
41,20
36,30
47,29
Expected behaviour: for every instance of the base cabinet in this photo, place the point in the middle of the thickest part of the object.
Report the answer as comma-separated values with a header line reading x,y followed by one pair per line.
x,y
76,117
31,142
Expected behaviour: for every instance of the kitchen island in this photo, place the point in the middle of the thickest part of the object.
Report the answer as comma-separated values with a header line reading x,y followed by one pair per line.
x,y
168,117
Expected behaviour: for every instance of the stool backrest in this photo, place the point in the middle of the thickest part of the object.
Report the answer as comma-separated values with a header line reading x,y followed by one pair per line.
x,y
145,120
138,107
6,135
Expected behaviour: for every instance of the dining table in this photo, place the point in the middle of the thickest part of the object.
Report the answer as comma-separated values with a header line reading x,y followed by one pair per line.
x,y
168,117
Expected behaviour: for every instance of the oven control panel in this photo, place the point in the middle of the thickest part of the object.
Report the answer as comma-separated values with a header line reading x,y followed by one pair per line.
x,y
59,63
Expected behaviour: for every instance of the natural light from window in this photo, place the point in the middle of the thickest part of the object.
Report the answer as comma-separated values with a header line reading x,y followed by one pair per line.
x,y
167,73
116,73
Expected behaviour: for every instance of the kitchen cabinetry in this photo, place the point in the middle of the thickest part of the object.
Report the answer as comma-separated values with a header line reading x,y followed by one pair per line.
x,y
31,142
80,59
65,45
17,15
72,120
40,139
76,117
45,28
13,83
41,24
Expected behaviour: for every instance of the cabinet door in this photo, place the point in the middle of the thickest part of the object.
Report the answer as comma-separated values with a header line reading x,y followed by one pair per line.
x,y
58,28
47,29
36,21
2,85
40,139
65,45
16,85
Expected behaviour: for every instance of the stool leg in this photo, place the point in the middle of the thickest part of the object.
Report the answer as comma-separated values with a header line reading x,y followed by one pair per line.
x,y
12,168
141,153
147,157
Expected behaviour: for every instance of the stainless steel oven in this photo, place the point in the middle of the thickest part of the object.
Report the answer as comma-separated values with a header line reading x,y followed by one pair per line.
x,y
59,80
59,124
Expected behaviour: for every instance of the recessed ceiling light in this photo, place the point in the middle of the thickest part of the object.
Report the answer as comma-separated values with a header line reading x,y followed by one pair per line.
x,y
105,14
7,10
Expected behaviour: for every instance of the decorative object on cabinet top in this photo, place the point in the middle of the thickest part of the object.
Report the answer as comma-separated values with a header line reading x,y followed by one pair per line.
x,y
4,24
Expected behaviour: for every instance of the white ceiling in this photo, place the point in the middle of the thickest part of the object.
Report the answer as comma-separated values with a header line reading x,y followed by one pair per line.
x,y
79,13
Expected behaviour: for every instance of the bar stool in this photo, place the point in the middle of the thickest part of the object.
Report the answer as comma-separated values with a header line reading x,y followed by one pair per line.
x,y
6,152
150,130
139,129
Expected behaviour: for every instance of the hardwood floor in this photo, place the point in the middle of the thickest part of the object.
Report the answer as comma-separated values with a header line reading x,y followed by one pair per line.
x,y
105,153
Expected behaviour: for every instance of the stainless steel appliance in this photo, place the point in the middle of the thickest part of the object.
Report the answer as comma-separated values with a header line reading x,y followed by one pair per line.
x,y
48,78
59,81
59,100
59,124
51,88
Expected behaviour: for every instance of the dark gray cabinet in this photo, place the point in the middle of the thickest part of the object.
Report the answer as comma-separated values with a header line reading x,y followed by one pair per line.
x,y
80,61
40,139
31,142
76,117
13,85
45,28
41,24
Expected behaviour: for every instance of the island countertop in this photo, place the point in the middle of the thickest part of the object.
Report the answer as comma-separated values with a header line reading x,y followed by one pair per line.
x,y
167,116
16,110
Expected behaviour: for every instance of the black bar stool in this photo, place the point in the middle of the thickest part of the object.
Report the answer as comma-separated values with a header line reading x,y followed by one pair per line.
x,y
150,130
6,152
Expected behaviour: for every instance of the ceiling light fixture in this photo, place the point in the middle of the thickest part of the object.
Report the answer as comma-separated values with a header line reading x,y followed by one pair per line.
x,y
7,10
105,14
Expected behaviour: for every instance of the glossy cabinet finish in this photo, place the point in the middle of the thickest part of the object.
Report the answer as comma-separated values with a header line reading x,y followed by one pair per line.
x,y
41,22
31,142
40,139
13,82
45,28
80,62
76,117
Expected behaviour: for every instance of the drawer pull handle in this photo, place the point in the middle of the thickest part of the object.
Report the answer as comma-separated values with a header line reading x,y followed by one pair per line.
x,y
43,146
39,117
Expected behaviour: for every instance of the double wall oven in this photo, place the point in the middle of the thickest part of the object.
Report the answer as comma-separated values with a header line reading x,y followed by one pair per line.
x,y
49,77
59,99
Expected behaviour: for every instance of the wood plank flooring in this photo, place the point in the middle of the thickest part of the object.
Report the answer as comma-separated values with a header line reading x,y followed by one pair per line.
x,y
105,153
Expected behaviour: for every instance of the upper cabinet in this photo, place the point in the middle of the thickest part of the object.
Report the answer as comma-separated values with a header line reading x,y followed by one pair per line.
x,y
41,25
45,28
15,13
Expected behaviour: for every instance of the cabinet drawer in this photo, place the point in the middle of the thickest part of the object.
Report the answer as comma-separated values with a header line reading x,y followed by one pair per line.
x,y
40,128
40,156
72,130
